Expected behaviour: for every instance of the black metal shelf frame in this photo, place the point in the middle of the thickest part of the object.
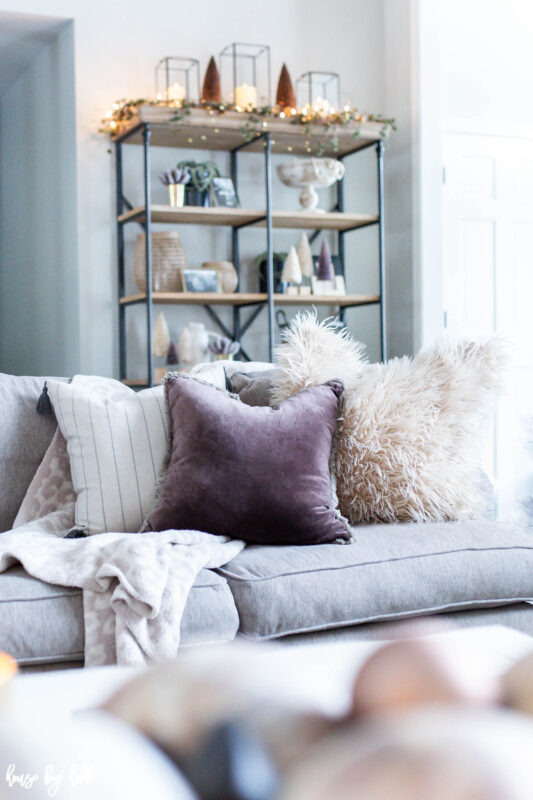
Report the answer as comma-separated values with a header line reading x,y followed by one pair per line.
x,y
239,328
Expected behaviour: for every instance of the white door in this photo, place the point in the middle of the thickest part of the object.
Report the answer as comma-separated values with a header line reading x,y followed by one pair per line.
x,y
488,281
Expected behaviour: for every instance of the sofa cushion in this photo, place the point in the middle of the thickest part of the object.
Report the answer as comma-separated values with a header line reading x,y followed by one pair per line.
x,y
41,623
260,474
24,438
392,571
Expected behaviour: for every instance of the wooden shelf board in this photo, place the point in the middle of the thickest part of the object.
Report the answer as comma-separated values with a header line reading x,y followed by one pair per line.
x,y
201,130
247,298
196,215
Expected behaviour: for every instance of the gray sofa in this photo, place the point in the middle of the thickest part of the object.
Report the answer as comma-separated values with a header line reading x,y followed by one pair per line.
x,y
472,573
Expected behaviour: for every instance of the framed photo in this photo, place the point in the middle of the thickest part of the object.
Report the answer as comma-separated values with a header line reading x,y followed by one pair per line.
x,y
223,193
199,280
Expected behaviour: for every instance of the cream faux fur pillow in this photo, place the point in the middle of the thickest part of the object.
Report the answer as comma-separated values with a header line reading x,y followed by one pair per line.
x,y
411,433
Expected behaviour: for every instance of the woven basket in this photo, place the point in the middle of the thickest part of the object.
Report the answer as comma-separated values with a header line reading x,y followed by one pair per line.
x,y
168,256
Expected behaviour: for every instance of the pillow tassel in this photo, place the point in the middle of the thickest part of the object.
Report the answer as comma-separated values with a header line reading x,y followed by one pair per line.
x,y
44,406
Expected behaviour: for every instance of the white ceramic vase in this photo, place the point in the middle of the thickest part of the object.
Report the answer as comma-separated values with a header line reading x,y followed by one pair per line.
x,y
192,344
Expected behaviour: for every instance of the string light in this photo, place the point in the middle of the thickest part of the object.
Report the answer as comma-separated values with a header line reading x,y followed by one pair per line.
x,y
319,113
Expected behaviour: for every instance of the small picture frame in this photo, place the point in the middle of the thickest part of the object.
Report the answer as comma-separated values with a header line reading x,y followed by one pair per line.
x,y
223,194
199,280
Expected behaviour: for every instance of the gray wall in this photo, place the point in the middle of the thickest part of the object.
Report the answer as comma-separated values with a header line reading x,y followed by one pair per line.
x,y
39,286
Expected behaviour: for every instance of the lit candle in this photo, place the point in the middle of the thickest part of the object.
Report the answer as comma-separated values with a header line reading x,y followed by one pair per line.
x,y
246,96
176,92
321,106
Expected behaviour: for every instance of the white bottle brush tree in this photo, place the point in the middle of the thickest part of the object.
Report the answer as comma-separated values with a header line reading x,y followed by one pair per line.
x,y
305,256
292,273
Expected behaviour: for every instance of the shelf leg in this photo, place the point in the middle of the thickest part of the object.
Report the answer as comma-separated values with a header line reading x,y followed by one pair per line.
x,y
342,259
270,249
382,278
148,234
121,271
235,248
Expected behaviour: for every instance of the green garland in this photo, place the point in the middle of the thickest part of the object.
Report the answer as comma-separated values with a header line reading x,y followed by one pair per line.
x,y
124,110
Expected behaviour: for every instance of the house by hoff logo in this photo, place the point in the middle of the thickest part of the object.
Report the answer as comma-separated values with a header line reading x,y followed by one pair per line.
x,y
51,779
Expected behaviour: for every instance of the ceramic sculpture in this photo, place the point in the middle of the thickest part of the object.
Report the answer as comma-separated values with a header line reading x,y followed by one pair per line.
x,y
308,173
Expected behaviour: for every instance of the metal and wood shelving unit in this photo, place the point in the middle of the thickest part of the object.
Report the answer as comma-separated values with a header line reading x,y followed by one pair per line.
x,y
201,130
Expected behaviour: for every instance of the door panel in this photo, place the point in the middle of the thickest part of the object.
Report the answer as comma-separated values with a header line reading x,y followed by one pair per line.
x,y
488,281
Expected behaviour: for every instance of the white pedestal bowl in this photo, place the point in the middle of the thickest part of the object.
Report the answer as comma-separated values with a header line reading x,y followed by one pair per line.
x,y
308,173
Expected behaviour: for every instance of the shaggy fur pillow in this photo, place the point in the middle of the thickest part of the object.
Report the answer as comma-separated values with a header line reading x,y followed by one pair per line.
x,y
409,442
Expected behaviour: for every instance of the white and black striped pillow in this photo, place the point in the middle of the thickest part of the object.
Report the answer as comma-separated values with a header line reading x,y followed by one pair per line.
x,y
117,441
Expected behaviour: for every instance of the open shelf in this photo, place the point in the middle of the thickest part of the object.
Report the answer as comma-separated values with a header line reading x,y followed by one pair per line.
x,y
237,217
204,129
249,299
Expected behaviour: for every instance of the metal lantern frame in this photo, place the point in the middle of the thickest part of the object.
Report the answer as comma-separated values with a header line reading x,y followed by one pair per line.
x,y
168,70
314,84
243,55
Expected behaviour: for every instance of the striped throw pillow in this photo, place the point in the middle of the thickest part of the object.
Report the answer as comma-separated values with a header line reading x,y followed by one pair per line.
x,y
117,441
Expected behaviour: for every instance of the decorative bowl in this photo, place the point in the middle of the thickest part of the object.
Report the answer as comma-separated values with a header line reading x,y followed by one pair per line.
x,y
308,173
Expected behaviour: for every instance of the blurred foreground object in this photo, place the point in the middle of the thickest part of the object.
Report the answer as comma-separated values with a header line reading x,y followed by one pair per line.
x,y
418,672
426,754
89,756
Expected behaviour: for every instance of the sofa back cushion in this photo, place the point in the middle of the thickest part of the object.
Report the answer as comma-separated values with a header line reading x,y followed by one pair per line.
x,y
24,438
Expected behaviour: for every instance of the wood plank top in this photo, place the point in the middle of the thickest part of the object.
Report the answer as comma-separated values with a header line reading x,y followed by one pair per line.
x,y
234,217
251,298
204,129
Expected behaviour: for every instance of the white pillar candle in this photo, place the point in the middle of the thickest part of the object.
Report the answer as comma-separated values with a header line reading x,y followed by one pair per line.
x,y
246,96
176,92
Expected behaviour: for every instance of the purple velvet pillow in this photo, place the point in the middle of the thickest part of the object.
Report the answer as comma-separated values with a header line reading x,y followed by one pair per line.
x,y
254,473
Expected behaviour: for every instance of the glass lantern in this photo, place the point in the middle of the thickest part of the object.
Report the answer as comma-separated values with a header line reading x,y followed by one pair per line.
x,y
178,79
245,75
319,91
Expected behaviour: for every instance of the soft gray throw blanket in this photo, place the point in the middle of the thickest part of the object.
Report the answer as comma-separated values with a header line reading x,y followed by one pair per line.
x,y
135,586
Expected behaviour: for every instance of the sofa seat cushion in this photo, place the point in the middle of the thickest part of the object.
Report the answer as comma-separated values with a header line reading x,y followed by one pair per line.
x,y
392,571
41,623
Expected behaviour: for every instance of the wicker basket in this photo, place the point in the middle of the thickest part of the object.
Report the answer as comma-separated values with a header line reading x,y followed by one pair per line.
x,y
168,256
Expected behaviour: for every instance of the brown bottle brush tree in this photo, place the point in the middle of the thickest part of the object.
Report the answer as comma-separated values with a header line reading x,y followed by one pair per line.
x,y
211,92
285,96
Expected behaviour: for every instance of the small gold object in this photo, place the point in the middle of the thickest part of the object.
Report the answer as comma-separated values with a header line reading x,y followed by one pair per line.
x,y
176,194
